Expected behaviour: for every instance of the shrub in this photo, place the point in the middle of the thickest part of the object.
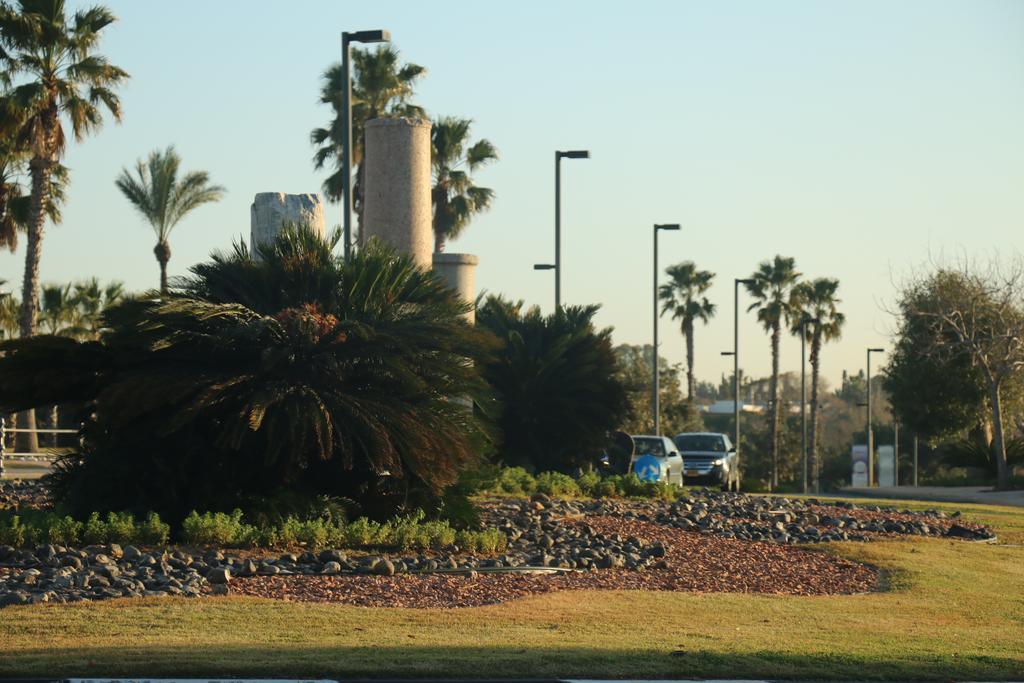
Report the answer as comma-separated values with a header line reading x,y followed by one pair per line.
x,y
363,532
12,532
557,484
64,531
217,528
516,480
588,483
95,530
153,531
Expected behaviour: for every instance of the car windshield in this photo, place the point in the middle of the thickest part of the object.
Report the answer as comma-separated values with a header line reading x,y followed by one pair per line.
x,y
650,446
700,442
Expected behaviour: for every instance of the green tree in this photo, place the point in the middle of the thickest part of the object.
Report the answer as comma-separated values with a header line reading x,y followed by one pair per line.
x,y
288,373
977,313
683,297
557,383
771,287
59,312
164,199
634,371
818,301
456,198
61,74
91,299
382,87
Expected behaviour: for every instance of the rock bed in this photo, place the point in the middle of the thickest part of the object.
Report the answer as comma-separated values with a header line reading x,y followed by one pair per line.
x,y
706,542
24,494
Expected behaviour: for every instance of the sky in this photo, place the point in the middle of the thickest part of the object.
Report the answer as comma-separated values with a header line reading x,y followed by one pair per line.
x,y
865,139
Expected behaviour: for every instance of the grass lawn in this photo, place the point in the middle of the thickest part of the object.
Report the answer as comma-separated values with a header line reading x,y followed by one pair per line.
x,y
951,610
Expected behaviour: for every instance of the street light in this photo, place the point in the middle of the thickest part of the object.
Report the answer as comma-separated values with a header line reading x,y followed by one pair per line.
x,y
657,227
867,404
572,154
803,391
736,360
347,38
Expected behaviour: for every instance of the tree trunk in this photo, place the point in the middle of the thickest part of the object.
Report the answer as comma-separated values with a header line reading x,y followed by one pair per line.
x,y
162,251
691,387
28,322
998,442
774,408
54,424
813,440
438,243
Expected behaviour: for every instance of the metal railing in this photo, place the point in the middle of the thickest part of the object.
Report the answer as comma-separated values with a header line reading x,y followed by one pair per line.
x,y
41,457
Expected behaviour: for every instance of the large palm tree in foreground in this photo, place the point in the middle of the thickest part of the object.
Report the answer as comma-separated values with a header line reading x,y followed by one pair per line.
x,y
817,301
455,197
683,297
289,372
163,199
771,286
381,87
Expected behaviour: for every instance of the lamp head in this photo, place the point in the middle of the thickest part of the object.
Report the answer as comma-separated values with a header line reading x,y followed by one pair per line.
x,y
666,226
575,154
876,350
745,280
543,266
378,36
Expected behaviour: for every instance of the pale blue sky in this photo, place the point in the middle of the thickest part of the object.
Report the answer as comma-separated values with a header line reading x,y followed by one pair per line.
x,y
858,137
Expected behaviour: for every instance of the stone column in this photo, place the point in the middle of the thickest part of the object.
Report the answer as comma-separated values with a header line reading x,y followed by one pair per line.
x,y
459,271
396,200
270,211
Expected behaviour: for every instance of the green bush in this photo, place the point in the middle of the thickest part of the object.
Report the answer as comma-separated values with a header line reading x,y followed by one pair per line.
x,y
64,531
12,532
486,541
153,531
588,483
217,528
515,480
557,484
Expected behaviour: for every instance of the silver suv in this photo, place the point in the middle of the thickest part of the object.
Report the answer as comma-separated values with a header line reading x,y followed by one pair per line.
x,y
710,459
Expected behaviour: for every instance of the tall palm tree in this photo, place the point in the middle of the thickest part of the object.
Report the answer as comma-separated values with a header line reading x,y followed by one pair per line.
x,y
163,199
62,75
455,197
683,296
771,287
381,88
817,300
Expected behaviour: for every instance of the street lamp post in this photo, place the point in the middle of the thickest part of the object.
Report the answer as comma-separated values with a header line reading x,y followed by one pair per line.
x,y
803,393
547,266
572,154
736,360
657,418
871,451
347,38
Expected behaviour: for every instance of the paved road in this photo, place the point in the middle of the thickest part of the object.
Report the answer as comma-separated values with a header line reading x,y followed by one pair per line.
x,y
944,494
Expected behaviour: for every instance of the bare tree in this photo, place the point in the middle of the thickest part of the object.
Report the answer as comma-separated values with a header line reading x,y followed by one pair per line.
x,y
977,313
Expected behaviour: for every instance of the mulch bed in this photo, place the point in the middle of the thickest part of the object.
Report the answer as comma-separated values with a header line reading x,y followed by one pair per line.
x,y
695,563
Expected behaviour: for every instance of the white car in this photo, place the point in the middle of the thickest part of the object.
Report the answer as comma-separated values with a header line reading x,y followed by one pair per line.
x,y
664,451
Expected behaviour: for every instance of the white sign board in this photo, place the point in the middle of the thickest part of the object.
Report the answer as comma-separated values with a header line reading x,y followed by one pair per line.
x,y
859,463
886,466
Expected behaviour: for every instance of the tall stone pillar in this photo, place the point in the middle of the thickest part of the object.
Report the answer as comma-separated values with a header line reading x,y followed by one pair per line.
x,y
396,200
270,211
459,271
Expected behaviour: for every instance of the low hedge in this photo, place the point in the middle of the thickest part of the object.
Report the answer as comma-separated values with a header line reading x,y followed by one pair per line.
x,y
517,481
232,531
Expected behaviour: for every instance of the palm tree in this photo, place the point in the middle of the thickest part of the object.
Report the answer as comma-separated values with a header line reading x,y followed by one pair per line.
x,y
381,87
456,199
163,199
817,300
683,296
64,75
557,380
772,288
91,299
292,371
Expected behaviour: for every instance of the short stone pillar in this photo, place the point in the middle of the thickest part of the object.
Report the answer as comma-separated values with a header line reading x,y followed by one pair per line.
x,y
459,271
270,211
396,200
